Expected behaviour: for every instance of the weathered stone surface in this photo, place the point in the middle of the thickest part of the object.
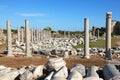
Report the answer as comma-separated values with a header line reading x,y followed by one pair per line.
x,y
86,38
92,71
4,70
92,78
27,38
110,72
2,67
38,71
55,64
66,54
11,75
21,70
9,39
75,75
61,73
27,75
59,78
108,35
80,68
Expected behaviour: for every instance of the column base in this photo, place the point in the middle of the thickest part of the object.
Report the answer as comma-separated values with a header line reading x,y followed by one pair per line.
x,y
87,57
10,55
28,55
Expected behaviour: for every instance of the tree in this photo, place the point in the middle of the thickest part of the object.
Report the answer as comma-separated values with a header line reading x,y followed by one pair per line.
x,y
48,28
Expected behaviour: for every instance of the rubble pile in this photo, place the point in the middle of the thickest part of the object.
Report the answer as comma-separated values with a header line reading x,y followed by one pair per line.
x,y
56,69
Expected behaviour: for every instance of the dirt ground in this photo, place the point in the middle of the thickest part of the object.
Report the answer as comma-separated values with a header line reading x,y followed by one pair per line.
x,y
19,61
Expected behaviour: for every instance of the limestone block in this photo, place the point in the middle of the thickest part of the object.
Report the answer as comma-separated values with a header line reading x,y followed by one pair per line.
x,y
11,75
59,78
62,72
80,68
92,78
22,70
4,70
38,71
27,75
75,75
55,64
110,72
92,71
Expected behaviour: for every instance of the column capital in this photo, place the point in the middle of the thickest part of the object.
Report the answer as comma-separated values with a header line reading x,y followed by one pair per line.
x,y
108,14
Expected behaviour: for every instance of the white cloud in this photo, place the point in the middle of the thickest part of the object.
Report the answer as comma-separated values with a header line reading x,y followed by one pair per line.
x,y
31,14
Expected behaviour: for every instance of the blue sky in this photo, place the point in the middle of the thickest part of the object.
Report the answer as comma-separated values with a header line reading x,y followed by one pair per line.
x,y
59,14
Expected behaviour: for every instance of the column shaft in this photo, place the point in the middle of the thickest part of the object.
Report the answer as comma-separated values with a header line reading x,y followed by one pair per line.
x,y
9,38
86,38
27,34
108,35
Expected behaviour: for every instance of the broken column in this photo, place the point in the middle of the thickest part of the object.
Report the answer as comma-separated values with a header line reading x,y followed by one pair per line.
x,y
18,35
108,35
9,38
86,38
92,74
110,72
34,38
31,35
22,34
27,38
77,72
37,35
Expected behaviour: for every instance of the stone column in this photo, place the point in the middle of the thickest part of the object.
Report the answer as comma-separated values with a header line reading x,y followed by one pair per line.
x,y
27,38
98,34
37,35
22,34
31,35
49,34
86,38
94,33
34,34
9,39
18,35
108,35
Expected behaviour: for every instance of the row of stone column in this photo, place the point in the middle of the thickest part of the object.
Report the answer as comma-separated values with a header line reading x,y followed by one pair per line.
x,y
36,35
98,33
108,36
66,34
25,35
86,37
27,38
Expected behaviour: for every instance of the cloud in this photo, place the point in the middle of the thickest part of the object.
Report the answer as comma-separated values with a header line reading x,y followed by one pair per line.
x,y
31,14
2,7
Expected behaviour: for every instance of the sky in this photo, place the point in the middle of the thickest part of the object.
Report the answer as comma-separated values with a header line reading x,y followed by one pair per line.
x,y
58,14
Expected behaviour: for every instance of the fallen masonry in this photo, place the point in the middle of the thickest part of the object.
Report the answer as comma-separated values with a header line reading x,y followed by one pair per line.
x,y
56,69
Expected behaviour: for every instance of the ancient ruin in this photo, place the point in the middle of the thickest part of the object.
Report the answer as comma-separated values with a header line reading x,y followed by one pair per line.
x,y
40,43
